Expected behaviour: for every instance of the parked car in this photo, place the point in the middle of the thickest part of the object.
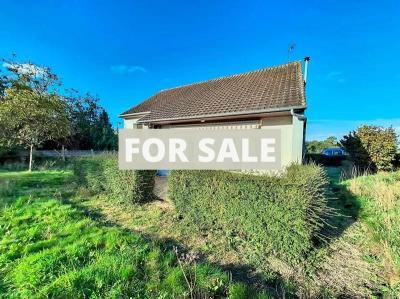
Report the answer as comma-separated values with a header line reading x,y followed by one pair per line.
x,y
333,151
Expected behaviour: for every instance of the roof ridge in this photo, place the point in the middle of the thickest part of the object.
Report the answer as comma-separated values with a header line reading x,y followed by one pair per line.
x,y
233,75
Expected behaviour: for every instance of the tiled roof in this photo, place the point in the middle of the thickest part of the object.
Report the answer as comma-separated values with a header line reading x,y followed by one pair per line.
x,y
269,89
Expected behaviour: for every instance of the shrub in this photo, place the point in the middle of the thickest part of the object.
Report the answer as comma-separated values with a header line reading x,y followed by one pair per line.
x,y
101,174
396,162
372,147
261,215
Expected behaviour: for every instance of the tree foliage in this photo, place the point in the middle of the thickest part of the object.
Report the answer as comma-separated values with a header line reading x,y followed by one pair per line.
x,y
316,146
90,124
3,84
372,147
31,111
31,118
36,111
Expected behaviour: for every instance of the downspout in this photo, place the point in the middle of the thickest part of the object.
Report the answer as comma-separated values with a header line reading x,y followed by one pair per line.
x,y
299,116
304,119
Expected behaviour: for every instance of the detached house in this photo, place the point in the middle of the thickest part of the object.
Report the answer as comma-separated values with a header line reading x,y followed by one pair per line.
x,y
272,97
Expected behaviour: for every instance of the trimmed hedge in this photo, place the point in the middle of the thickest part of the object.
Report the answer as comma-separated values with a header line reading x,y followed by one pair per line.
x,y
263,215
101,174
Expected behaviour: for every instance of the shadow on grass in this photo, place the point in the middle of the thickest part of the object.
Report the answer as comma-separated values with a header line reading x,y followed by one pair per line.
x,y
43,184
343,202
242,273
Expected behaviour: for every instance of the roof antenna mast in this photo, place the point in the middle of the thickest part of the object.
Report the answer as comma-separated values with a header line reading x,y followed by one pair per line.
x,y
290,50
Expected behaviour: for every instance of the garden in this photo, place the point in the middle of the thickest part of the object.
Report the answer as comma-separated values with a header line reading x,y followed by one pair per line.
x,y
82,228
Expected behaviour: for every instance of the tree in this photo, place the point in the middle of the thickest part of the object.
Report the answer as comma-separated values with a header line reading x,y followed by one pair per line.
x,y
31,112
83,113
3,85
372,147
90,124
317,146
28,85
105,137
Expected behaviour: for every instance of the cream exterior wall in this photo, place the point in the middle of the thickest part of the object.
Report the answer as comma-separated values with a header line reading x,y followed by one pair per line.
x,y
131,123
292,130
292,133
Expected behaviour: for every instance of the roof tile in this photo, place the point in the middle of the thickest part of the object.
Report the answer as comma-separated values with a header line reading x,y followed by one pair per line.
x,y
276,87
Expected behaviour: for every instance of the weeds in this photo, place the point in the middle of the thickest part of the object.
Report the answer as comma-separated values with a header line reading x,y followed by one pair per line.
x,y
379,197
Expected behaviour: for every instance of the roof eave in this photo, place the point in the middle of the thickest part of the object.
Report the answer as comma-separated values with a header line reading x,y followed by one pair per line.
x,y
223,115
127,115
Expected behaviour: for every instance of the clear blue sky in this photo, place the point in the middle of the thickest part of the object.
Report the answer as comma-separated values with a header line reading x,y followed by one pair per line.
x,y
124,51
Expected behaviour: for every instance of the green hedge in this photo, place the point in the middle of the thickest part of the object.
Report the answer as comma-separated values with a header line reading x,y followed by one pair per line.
x,y
263,215
101,174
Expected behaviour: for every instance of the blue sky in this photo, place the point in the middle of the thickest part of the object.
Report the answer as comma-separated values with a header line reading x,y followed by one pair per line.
x,y
124,51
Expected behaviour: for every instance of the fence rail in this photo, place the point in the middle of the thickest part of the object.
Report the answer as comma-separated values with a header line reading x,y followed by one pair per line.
x,y
67,153
54,154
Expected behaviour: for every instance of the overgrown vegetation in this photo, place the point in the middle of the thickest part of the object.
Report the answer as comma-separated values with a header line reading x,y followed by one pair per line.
x,y
261,216
101,174
379,197
372,147
53,247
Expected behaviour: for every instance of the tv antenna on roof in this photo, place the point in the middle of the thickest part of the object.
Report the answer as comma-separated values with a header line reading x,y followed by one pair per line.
x,y
290,50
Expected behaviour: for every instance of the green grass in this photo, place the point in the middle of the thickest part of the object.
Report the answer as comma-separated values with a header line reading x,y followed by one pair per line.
x,y
51,246
379,199
58,240
371,208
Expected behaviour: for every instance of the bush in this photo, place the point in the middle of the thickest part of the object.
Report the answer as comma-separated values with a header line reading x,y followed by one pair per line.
x,y
8,156
372,147
324,160
101,174
396,162
261,215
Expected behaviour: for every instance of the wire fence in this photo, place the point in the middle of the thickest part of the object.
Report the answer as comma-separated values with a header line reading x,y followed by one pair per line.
x,y
23,154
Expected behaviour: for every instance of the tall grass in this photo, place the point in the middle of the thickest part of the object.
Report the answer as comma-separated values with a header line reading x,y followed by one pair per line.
x,y
379,196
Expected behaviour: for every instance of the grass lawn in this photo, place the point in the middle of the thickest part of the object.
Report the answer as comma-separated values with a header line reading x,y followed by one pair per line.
x,y
53,243
58,240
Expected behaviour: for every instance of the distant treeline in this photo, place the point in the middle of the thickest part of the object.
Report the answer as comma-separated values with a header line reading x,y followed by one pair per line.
x,y
36,110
